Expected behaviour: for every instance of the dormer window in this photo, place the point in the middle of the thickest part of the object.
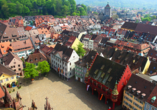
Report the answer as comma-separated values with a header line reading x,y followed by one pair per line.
x,y
153,99
143,95
133,89
129,86
138,92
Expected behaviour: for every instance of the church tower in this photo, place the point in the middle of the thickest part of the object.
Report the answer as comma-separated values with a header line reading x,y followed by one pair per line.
x,y
107,11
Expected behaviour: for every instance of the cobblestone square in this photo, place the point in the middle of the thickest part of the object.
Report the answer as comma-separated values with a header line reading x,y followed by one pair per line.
x,y
62,94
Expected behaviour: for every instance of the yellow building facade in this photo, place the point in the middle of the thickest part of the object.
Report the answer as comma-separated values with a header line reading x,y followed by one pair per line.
x,y
75,43
6,79
132,102
146,66
128,29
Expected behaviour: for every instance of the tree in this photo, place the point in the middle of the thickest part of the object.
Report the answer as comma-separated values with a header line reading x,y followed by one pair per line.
x,y
19,8
43,67
82,11
84,6
153,17
26,10
74,14
88,9
30,71
12,7
95,13
115,16
64,10
5,10
137,21
80,50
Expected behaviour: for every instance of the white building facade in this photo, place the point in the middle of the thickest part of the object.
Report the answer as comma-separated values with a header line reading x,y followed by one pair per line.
x,y
64,61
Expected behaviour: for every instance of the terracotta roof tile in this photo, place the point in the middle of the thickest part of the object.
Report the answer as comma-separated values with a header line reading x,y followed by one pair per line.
x,y
27,28
2,93
22,45
6,70
36,57
5,47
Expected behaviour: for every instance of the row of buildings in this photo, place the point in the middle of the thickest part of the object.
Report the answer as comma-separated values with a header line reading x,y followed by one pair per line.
x,y
115,54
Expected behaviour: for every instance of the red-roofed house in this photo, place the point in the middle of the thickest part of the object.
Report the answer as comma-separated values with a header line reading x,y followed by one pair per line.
x,y
46,51
129,46
5,47
72,42
16,21
28,28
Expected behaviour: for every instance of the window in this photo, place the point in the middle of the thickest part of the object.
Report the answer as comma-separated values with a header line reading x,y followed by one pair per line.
x,y
128,99
70,69
6,79
19,69
129,94
1,81
15,70
12,77
147,106
70,63
14,62
18,65
152,108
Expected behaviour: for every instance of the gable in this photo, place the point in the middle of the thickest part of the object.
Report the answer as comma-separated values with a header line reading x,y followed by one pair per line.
x,y
73,56
57,55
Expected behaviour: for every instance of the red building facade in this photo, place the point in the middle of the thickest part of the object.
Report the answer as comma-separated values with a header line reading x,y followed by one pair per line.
x,y
104,76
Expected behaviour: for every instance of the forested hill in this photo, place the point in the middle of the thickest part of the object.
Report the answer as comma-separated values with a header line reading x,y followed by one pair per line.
x,y
58,8
121,3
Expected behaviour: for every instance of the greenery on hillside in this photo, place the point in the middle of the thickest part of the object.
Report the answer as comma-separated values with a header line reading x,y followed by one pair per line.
x,y
57,8
148,18
121,3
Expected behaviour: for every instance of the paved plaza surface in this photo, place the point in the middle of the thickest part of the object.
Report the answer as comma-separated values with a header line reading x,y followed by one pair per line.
x,y
62,94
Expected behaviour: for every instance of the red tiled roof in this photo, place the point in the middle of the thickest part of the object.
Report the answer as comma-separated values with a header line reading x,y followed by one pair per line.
x,y
132,45
70,41
1,92
27,28
36,57
46,49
